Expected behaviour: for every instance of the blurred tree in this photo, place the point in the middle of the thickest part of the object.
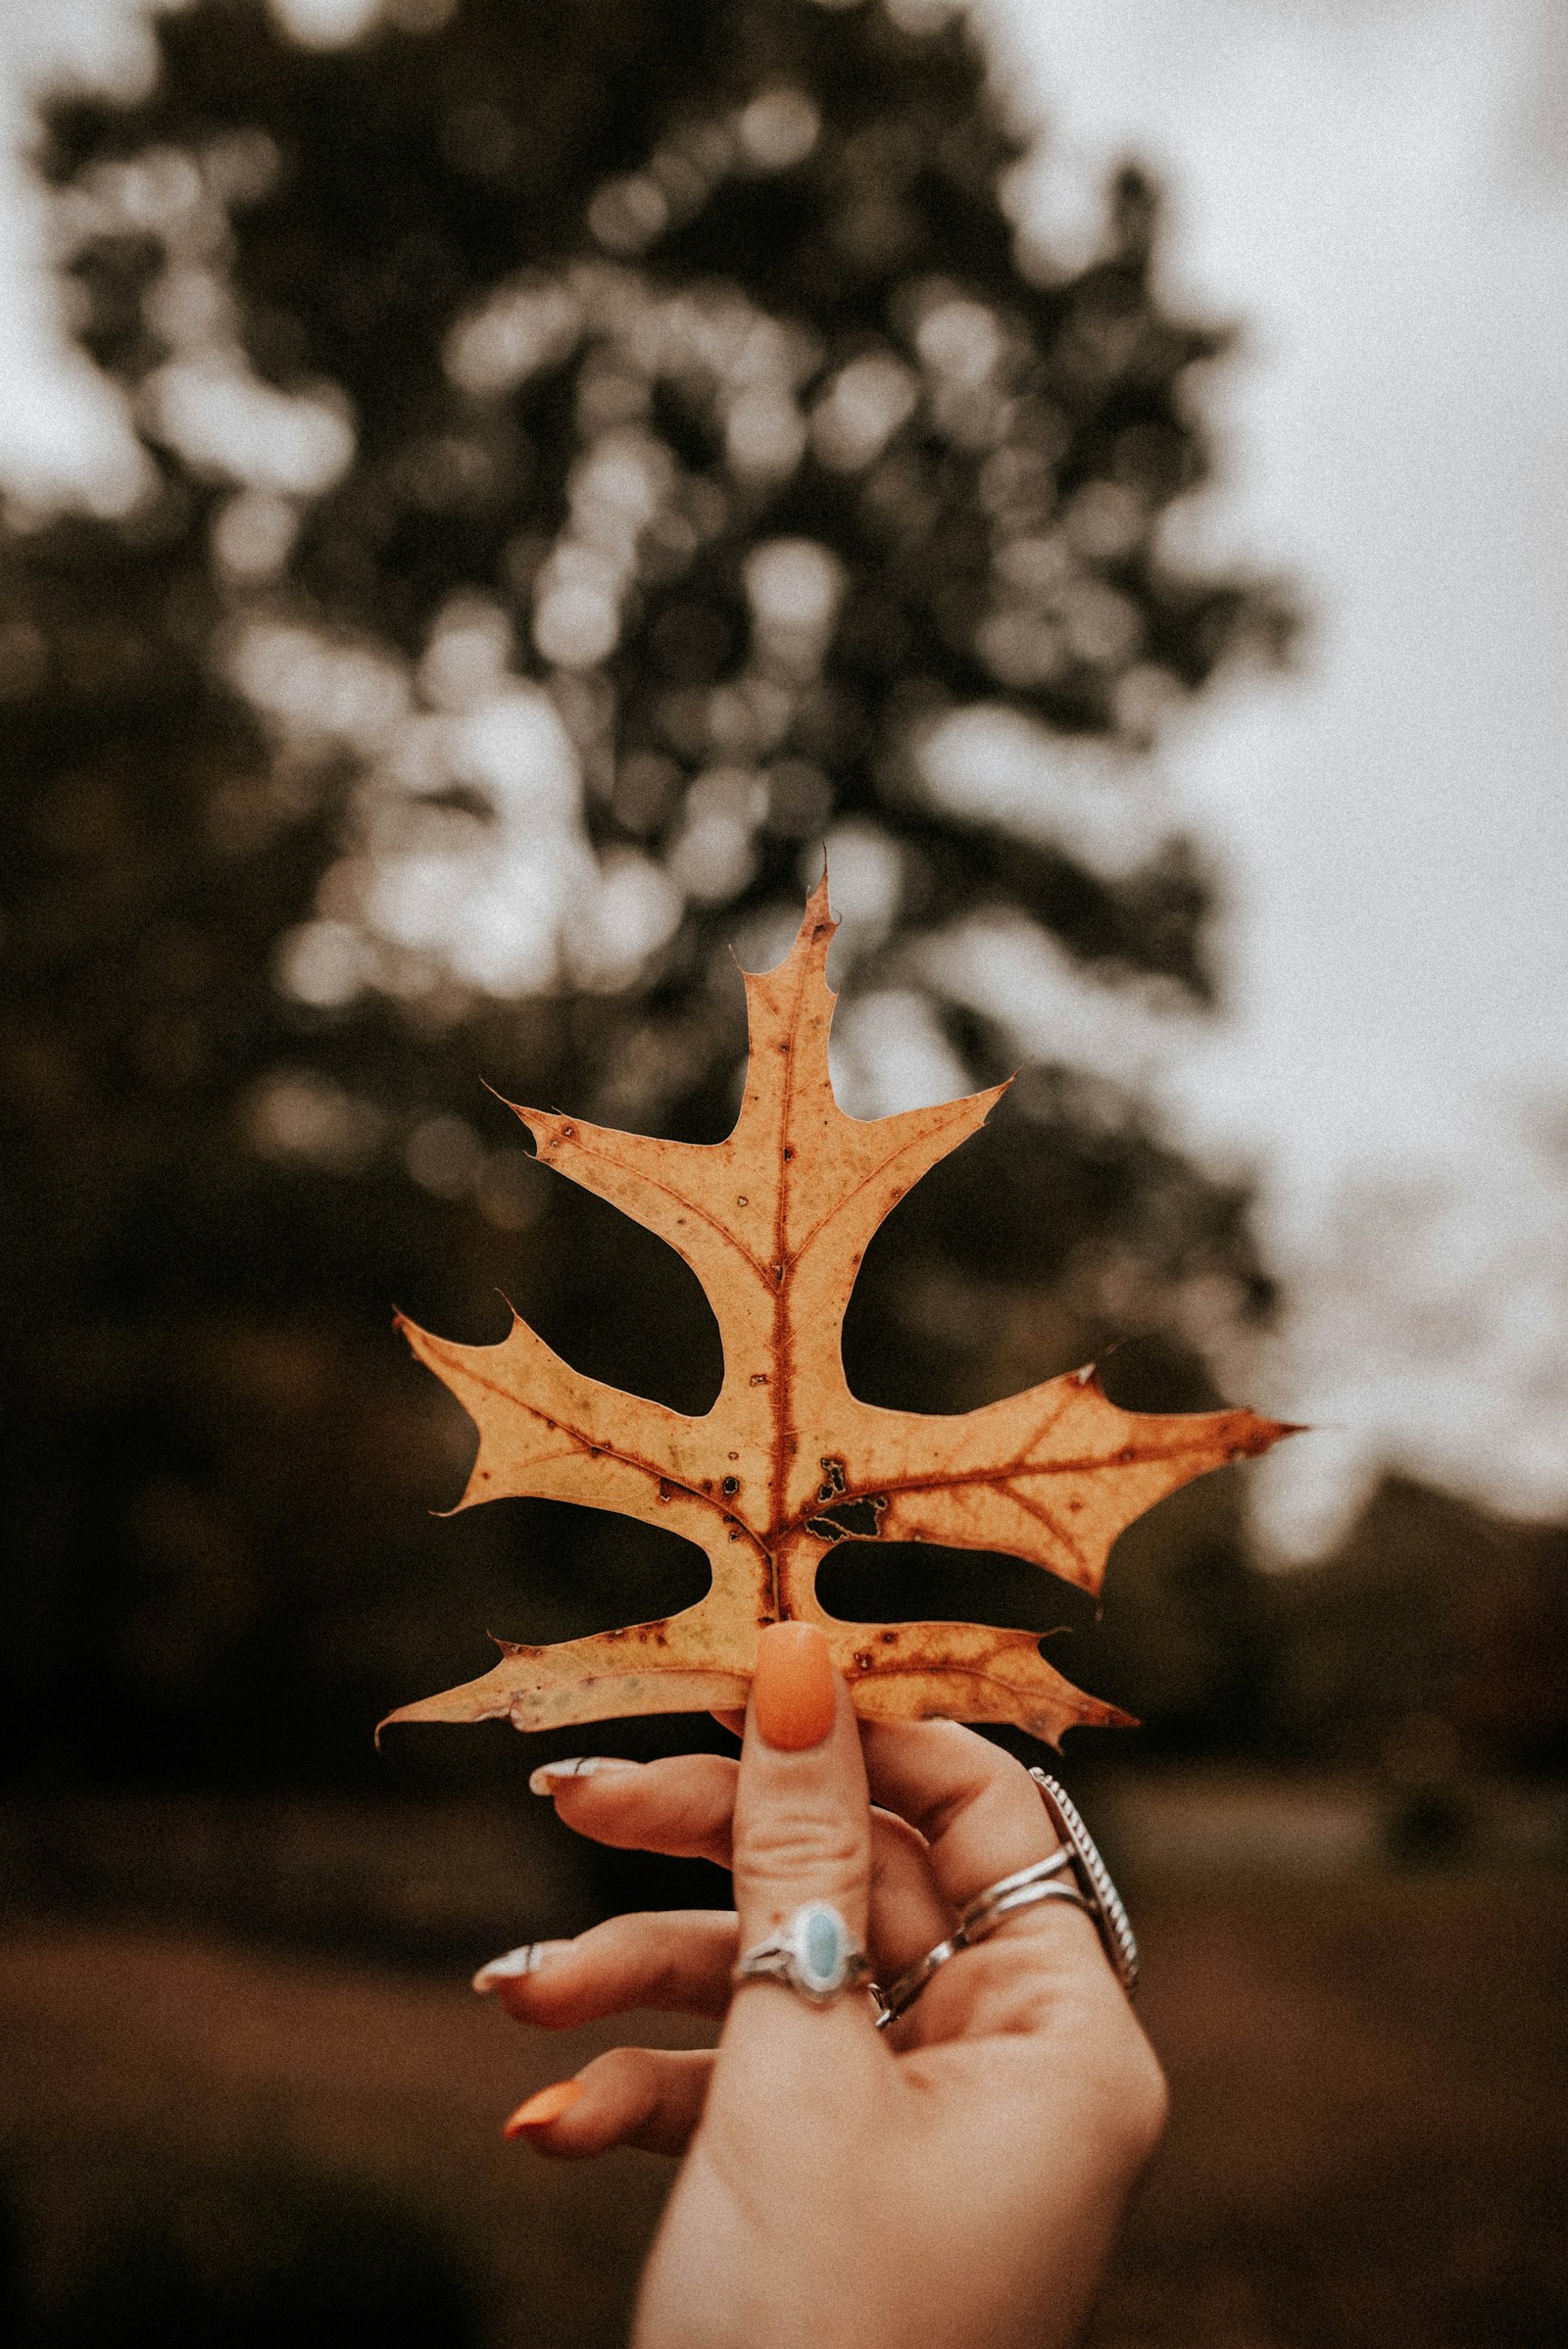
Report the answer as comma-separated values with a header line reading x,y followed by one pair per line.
x,y
1434,1641
594,455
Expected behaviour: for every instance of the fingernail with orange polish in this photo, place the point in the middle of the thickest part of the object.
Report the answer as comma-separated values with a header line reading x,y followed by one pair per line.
x,y
795,1693
547,2106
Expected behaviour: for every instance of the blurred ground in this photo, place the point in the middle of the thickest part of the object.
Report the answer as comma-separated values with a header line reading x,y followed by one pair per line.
x,y
1369,2125
1369,2073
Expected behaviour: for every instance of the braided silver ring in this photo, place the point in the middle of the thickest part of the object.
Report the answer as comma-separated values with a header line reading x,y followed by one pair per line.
x,y
1101,1898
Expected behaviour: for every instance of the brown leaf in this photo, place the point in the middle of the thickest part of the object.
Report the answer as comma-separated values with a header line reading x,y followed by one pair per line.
x,y
774,1222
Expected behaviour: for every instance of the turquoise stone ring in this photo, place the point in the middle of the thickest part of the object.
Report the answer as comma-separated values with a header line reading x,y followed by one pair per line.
x,y
812,1955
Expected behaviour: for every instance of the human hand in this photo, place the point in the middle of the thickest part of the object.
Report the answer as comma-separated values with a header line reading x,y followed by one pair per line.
x,y
955,2181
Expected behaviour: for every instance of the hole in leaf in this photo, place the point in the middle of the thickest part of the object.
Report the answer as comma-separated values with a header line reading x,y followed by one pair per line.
x,y
850,1517
567,1571
907,1582
618,1304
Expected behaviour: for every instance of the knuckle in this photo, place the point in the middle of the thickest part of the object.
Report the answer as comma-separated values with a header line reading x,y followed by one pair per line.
x,y
618,1940
796,1848
961,1795
1148,2098
1137,2099
894,1845
626,2074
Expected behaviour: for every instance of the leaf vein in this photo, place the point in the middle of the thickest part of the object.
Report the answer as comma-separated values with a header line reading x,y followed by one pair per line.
x,y
692,1206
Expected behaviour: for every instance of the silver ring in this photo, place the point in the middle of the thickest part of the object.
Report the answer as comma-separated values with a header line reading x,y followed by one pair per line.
x,y
902,1994
812,1955
1093,1892
1102,1898
993,1903
1025,1897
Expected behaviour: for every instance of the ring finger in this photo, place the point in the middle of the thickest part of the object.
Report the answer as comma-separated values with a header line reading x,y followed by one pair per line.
x,y
651,2097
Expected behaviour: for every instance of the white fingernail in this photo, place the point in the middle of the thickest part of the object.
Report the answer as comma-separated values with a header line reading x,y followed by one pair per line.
x,y
551,1775
517,1962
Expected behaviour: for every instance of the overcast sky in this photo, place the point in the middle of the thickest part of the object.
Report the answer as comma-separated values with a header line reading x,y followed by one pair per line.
x,y
1377,191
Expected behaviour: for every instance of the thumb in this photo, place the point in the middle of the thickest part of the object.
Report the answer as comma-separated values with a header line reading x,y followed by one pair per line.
x,y
769,2214
802,1823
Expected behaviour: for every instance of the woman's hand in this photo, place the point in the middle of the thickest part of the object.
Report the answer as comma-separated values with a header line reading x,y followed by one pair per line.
x,y
954,2183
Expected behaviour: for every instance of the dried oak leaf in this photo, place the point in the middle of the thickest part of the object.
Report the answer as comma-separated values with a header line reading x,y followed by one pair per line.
x,y
774,1222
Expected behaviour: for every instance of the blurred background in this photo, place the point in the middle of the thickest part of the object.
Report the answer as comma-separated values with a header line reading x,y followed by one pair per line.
x,y
487,493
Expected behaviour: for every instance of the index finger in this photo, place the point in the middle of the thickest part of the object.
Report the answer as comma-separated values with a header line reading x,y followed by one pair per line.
x,y
978,1809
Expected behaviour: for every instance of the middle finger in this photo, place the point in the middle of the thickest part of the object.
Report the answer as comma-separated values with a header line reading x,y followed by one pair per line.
x,y
677,1961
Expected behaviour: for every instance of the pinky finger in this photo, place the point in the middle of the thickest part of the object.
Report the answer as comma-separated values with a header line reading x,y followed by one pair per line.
x,y
649,2097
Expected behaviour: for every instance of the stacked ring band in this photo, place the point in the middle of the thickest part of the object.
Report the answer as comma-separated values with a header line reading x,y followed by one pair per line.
x,y
998,1900
1092,1891
979,1921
